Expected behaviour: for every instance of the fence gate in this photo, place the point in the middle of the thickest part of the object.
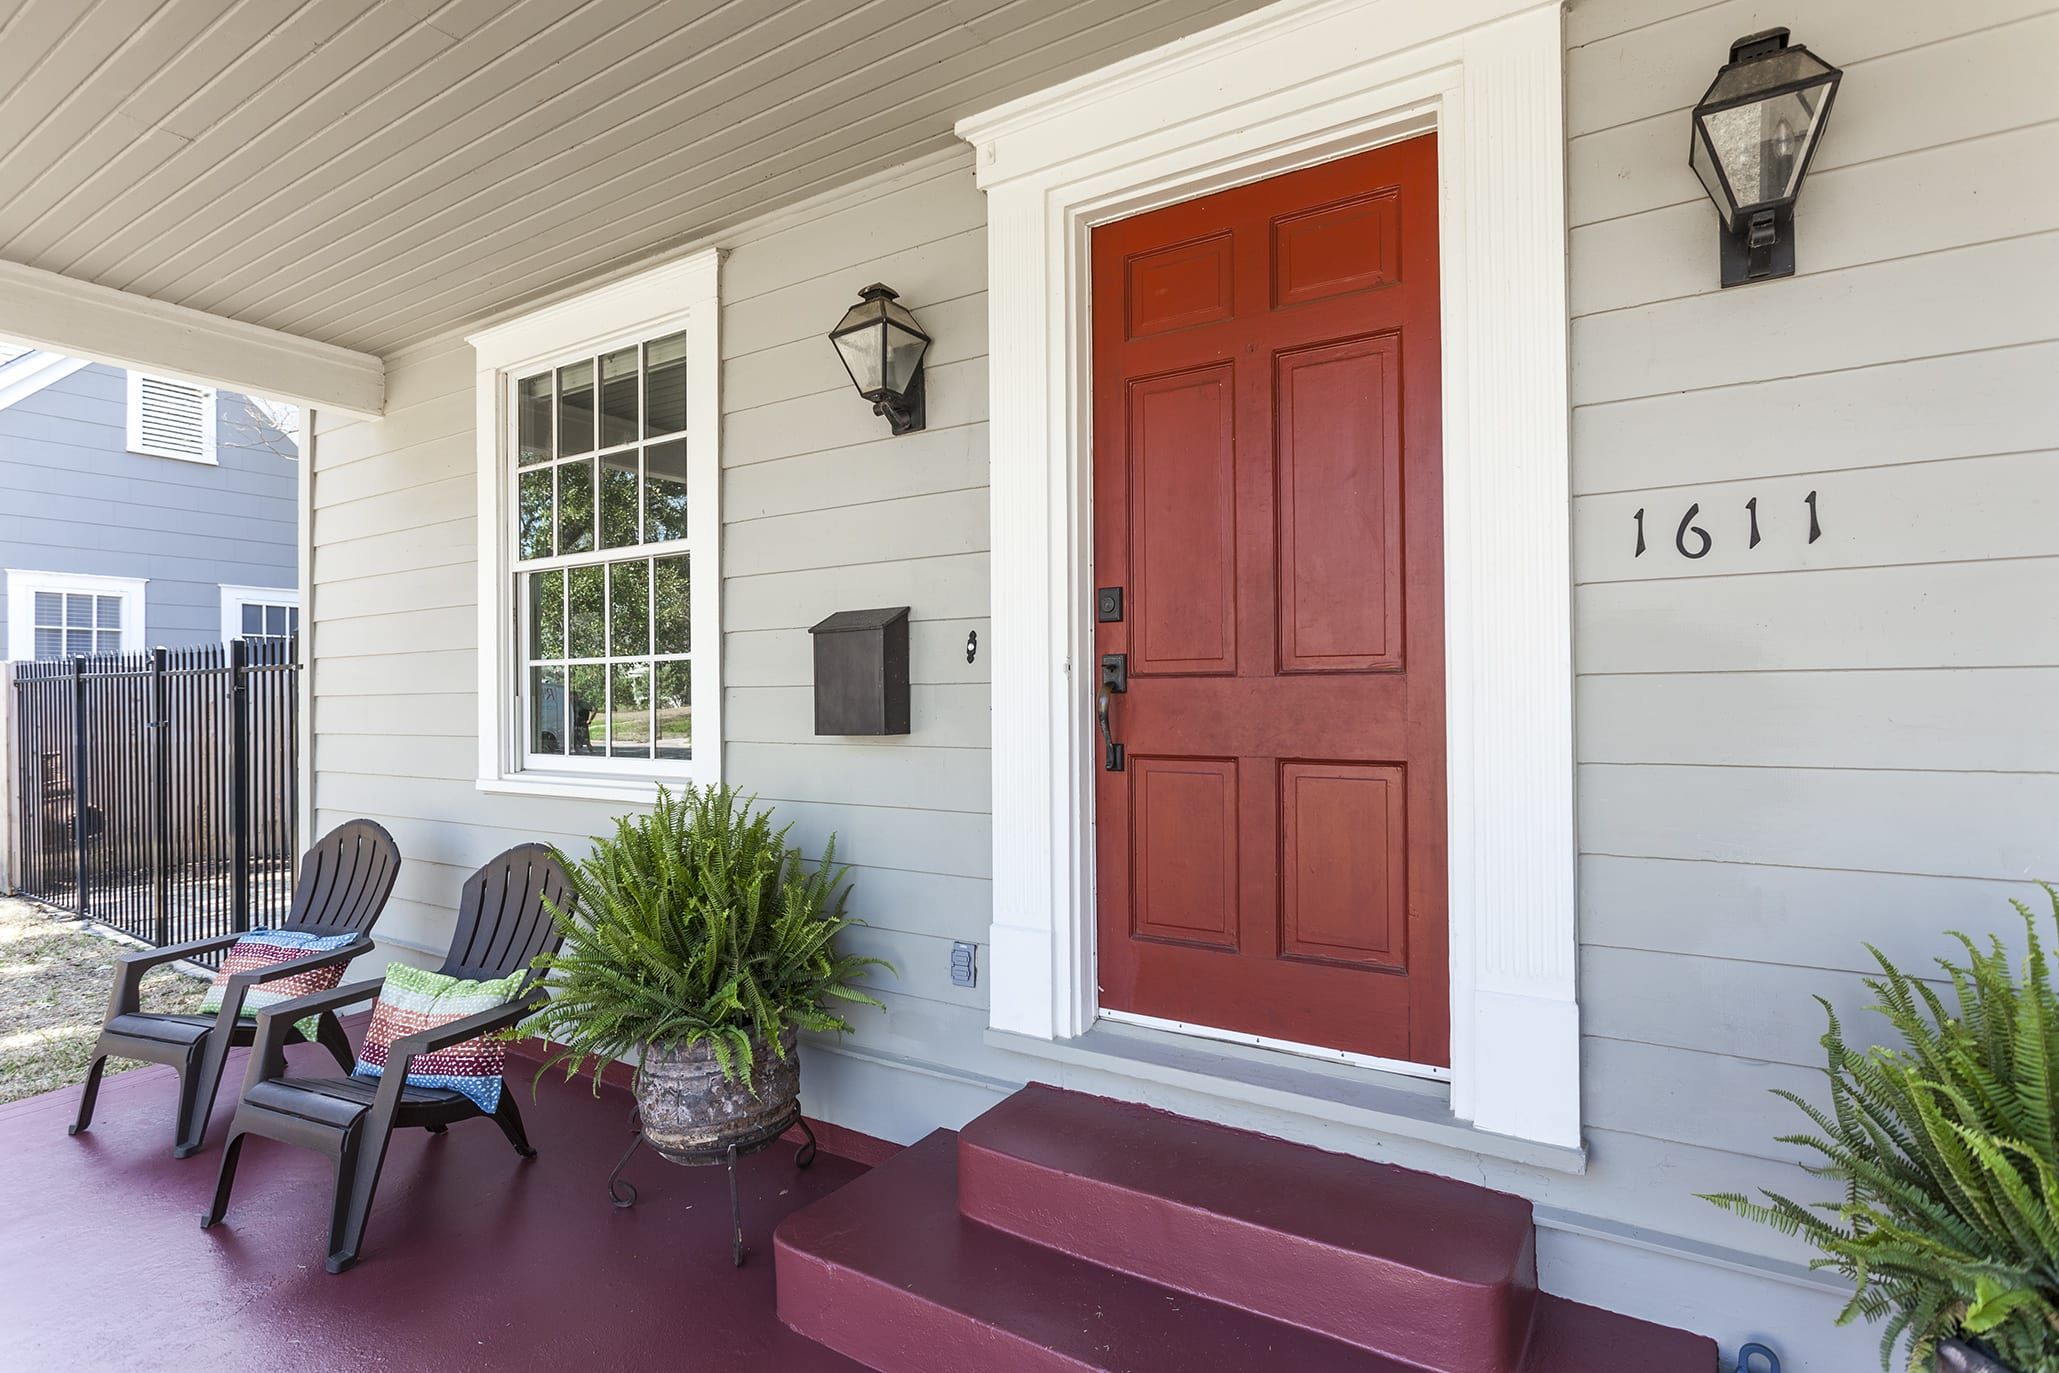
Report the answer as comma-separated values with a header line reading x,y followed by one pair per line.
x,y
157,789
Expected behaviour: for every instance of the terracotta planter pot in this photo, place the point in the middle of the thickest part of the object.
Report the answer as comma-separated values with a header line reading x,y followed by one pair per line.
x,y
689,1109
1957,1356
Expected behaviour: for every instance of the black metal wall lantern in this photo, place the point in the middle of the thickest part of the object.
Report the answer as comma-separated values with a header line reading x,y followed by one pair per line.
x,y
882,346
1755,130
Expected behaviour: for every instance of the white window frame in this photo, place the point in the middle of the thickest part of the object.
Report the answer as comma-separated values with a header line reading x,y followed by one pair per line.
x,y
234,598
22,586
1291,85
210,404
677,296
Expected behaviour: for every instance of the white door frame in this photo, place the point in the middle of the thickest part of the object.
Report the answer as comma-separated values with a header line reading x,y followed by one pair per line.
x,y
1300,82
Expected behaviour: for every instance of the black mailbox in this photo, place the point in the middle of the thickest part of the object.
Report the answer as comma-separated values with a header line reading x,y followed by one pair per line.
x,y
861,672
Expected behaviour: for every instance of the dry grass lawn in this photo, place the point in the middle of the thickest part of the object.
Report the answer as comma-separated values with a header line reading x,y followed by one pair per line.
x,y
55,975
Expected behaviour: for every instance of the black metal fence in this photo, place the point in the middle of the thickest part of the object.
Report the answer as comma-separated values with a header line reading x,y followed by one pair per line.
x,y
156,790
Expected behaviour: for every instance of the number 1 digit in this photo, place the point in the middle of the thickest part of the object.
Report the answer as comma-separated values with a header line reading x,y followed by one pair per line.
x,y
1640,534
1752,507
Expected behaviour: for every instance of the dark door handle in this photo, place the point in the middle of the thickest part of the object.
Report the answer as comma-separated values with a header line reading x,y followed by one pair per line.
x,y
1115,679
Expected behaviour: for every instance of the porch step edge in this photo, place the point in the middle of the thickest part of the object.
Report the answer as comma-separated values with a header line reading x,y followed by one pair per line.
x,y
1436,1272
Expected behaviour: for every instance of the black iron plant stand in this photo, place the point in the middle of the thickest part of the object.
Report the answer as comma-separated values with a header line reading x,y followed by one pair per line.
x,y
623,1193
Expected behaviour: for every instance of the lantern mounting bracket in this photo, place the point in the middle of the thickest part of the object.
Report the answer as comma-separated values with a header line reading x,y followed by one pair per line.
x,y
912,413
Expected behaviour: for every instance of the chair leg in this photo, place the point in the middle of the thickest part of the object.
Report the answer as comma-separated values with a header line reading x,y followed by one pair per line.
x,y
329,1034
224,1182
199,1079
352,1205
90,1095
509,1117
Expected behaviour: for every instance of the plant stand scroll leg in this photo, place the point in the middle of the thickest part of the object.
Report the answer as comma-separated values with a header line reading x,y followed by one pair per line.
x,y
805,1154
91,1094
736,1216
621,1192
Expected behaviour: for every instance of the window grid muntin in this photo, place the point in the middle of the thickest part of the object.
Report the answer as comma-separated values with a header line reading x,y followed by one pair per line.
x,y
527,571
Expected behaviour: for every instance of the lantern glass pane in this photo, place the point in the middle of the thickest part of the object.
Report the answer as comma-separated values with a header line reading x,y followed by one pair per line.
x,y
1781,67
863,353
1764,145
903,353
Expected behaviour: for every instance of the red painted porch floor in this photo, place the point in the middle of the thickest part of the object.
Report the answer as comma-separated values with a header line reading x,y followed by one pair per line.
x,y
474,1258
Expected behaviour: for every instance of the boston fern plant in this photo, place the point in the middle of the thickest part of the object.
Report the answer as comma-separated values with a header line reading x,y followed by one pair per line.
x,y
696,923
1948,1152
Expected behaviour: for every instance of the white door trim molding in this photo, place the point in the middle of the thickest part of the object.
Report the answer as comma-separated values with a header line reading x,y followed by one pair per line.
x,y
1296,83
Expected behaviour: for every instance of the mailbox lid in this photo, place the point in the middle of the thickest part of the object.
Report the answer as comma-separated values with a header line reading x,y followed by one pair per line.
x,y
846,620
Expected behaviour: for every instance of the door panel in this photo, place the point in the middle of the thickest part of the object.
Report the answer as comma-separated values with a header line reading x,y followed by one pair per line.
x,y
1267,491
1185,850
1339,461
1183,522
1344,865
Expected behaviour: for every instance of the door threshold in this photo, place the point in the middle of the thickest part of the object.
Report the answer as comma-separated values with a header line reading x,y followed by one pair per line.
x,y
1284,1046
1382,1114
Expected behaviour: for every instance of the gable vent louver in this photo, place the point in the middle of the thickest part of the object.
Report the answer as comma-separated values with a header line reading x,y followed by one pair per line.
x,y
171,419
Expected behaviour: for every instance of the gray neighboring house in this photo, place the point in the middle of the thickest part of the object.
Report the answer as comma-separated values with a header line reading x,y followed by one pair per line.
x,y
139,510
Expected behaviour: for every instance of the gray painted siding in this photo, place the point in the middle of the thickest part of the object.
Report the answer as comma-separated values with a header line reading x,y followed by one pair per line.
x,y
74,499
822,511
1788,751
1781,754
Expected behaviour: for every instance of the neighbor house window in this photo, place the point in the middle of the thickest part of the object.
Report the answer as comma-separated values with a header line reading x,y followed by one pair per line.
x,y
169,418
54,615
259,612
603,481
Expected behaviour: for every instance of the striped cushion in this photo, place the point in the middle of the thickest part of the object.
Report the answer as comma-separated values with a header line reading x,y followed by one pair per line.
x,y
261,949
413,1000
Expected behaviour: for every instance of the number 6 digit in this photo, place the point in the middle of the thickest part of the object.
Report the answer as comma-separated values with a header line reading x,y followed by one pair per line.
x,y
1688,526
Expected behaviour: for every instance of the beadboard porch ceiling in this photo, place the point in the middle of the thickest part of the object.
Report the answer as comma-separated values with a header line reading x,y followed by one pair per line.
x,y
372,173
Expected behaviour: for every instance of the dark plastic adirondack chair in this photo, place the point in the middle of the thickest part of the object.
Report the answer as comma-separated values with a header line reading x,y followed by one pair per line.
x,y
503,925
344,882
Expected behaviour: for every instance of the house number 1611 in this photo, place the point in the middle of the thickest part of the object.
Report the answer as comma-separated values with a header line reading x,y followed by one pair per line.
x,y
1693,541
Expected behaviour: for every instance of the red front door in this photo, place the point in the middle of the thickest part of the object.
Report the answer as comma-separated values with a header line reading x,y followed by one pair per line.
x,y
1267,496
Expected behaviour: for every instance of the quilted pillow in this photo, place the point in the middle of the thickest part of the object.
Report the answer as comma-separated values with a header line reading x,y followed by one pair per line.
x,y
261,948
414,1000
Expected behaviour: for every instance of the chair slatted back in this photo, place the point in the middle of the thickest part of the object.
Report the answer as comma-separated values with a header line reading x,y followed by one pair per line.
x,y
503,921
344,880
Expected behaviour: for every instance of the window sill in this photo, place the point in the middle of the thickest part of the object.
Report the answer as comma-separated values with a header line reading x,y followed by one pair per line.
x,y
635,791
1359,1098
204,460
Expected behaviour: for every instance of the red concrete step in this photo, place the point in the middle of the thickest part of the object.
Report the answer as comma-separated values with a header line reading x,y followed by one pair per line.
x,y
887,1272
1439,1273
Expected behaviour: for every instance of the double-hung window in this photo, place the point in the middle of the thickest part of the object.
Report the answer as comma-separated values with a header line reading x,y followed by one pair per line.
x,y
601,584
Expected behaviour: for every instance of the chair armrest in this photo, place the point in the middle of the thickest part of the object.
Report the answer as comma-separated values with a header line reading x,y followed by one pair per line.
x,y
268,1051
130,967
409,1047
150,958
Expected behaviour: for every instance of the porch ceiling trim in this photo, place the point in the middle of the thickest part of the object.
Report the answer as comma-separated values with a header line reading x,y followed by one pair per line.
x,y
1297,83
81,319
